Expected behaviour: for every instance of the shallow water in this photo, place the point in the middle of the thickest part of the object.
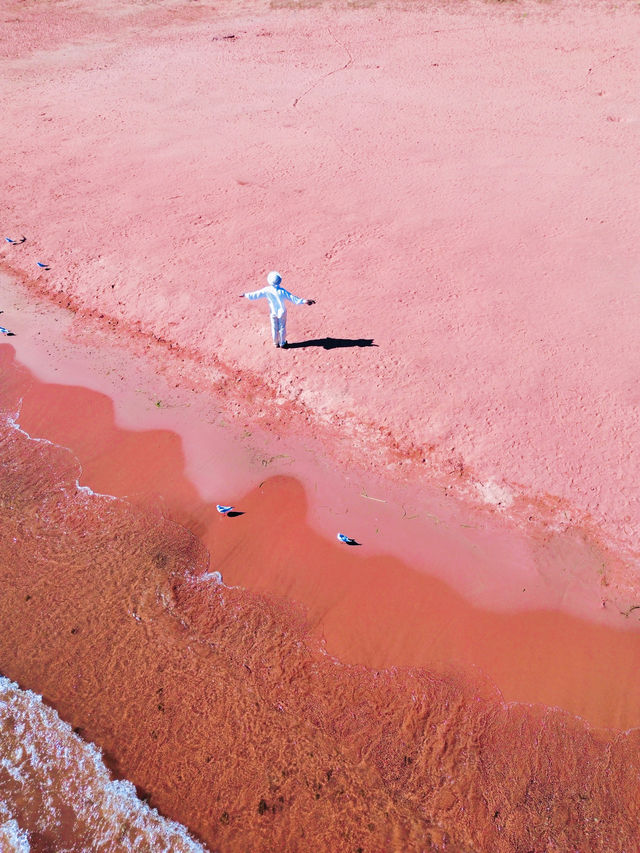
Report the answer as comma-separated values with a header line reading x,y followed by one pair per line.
x,y
221,703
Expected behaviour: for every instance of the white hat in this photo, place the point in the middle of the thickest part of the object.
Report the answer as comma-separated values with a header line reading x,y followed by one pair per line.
x,y
274,278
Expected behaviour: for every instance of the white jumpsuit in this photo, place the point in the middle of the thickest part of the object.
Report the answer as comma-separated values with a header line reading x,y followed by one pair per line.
x,y
277,297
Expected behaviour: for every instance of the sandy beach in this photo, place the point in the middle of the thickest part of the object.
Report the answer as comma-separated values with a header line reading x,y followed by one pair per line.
x,y
455,186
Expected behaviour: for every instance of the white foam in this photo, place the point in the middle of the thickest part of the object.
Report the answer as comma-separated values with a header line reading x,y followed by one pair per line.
x,y
88,491
12,421
45,757
12,838
216,577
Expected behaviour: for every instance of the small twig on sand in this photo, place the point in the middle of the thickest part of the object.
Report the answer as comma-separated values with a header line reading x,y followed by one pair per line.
x,y
268,461
363,494
404,514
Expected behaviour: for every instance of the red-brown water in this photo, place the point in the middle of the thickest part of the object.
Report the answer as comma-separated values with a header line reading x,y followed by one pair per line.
x,y
220,702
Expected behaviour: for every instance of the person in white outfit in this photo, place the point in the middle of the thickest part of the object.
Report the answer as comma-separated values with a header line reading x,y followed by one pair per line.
x,y
277,297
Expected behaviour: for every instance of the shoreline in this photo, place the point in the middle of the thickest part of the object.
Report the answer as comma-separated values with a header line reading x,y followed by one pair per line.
x,y
608,560
372,606
388,508
526,328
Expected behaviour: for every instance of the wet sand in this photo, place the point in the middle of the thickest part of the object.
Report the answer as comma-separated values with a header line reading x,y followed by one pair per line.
x,y
370,609
222,707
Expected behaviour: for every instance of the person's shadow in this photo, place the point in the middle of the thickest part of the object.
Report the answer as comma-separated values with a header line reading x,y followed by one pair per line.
x,y
333,343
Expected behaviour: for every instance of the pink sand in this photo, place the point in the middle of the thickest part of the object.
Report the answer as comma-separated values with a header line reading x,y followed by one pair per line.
x,y
457,183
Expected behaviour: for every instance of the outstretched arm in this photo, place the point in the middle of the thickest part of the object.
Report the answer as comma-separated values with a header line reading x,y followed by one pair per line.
x,y
297,300
254,294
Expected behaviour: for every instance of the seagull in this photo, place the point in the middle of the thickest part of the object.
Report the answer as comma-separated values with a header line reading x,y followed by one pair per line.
x,y
223,510
346,539
15,242
6,332
43,266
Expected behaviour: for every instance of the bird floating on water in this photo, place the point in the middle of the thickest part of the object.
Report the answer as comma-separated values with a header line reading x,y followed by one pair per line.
x,y
223,510
15,242
6,332
43,266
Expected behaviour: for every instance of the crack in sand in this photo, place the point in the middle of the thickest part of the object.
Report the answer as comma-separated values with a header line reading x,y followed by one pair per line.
x,y
329,73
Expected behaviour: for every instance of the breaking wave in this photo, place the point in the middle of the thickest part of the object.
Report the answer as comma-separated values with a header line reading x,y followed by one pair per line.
x,y
57,785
